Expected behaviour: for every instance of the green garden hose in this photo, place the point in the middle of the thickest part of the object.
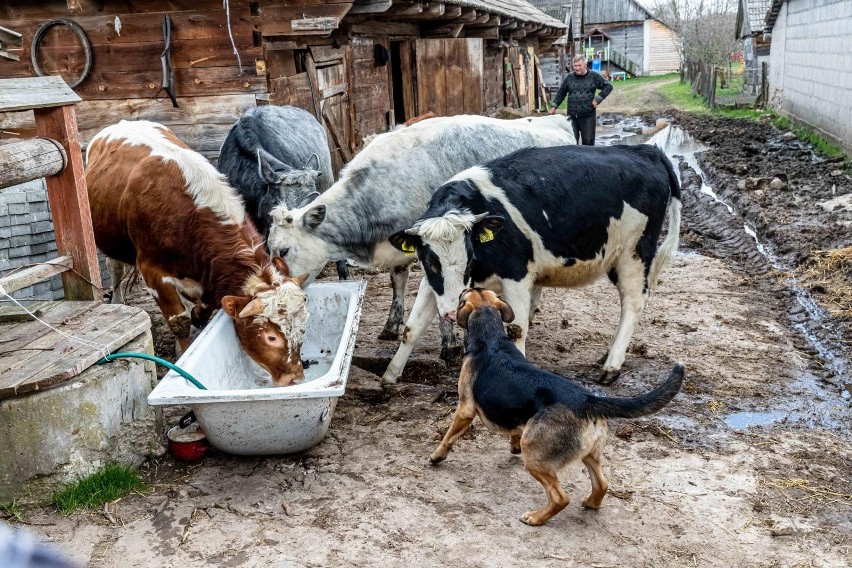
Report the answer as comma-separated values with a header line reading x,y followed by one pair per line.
x,y
155,359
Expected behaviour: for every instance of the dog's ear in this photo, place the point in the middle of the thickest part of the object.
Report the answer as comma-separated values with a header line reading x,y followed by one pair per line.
x,y
506,312
463,313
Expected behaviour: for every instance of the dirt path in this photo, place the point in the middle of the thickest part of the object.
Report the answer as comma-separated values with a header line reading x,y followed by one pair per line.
x,y
691,486
632,100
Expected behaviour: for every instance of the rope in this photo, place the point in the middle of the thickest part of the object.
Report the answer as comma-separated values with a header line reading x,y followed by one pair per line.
x,y
234,45
154,358
100,347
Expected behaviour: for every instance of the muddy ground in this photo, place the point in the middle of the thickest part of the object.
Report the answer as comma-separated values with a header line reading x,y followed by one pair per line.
x,y
751,465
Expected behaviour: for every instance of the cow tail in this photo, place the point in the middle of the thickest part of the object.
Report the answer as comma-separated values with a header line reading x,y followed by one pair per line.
x,y
643,405
669,246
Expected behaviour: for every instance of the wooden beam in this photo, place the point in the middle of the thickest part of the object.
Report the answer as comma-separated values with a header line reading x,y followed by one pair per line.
x,y
493,20
385,28
35,92
34,274
451,12
406,9
467,16
370,6
30,159
69,205
447,30
481,18
509,24
10,38
432,11
491,32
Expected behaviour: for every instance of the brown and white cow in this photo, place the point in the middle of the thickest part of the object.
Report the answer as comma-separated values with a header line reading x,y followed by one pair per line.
x,y
164,208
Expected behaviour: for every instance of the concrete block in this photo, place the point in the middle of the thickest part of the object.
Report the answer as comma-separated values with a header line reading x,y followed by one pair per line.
x,y
21,240
49,439
6,232
18,208
20,218
4,208
5,220
36,216
36,195
8,196
40,248
39,207
20,230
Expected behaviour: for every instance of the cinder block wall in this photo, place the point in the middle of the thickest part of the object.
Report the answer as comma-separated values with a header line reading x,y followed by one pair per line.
x,y
811,65
26,237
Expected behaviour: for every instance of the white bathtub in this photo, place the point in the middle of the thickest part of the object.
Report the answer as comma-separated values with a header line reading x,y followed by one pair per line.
x,y
241,413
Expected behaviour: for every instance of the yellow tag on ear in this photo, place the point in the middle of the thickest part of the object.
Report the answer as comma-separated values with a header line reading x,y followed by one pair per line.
x,y
486,235
407,249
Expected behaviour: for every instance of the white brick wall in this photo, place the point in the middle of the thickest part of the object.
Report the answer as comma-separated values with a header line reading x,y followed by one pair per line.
x,y
810,67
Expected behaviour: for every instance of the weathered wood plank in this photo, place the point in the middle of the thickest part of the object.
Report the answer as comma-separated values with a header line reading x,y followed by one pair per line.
x,y
474,76
69,205
385,28
16,336
284,20
35,92
28,160
37,273
53,359
455,63
370,6
431,77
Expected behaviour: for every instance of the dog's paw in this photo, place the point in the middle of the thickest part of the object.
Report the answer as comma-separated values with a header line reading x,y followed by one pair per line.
x,y
533,519
437,458
590,503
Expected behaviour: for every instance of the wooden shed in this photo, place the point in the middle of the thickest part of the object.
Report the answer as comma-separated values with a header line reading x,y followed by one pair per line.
x,y
640,43
751,21
359,66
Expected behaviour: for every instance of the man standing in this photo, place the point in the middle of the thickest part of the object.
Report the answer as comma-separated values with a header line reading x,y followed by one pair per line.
x,y
580,86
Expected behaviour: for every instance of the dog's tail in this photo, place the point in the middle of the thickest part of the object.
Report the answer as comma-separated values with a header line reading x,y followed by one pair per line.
x,y
648,403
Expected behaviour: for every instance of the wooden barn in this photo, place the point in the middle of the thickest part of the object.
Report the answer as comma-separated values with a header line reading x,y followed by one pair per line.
x,y
360,66
751,21
630,38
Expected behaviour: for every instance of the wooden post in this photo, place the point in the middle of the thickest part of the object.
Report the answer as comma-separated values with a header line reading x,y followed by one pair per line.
x,y
69,205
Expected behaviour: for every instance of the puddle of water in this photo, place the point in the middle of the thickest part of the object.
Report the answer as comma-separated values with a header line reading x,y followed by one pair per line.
x,y
743,420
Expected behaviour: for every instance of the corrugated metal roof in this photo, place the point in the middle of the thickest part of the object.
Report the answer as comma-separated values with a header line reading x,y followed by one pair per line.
x,y
566,11
518,9
772,13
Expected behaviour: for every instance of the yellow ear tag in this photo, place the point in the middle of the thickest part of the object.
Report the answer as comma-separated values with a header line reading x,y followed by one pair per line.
x,y
486,235
407,249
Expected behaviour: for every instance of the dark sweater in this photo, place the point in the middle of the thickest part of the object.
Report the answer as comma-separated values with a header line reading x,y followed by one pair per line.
x,y
581,92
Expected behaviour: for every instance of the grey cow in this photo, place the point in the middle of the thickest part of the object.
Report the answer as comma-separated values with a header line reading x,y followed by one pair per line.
x,y
277,155
387,186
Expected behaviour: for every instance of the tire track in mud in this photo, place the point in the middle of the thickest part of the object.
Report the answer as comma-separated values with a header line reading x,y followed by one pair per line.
x,y
716,229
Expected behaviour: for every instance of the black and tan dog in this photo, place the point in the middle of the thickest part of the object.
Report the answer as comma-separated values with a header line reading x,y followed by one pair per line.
x,y
551,420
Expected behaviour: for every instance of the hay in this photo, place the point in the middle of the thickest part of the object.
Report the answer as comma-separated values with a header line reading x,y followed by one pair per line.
x,y
829,272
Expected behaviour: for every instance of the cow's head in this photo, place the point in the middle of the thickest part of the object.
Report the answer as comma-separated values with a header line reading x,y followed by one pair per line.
x,y
445,247
270,321
296,235
295,187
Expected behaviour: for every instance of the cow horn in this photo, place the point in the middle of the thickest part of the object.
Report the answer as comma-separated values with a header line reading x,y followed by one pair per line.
x,y
301,279
480,217
411,231
253,308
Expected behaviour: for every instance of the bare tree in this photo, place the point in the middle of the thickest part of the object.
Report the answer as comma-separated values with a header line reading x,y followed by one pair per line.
x,y
706,27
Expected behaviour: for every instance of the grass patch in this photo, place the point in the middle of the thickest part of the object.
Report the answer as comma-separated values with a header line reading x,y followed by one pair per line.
x,y
106,485
12,511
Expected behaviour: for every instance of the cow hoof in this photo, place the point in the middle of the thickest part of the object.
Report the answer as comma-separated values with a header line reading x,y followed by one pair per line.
x,y
452,354
388,335
608,377
389,378
342,270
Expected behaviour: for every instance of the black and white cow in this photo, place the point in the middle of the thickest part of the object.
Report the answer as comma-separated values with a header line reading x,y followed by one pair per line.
x,y
560,217
387,186
274,155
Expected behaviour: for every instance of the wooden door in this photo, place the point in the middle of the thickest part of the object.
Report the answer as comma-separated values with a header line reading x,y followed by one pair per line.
x,y
333,99
450,76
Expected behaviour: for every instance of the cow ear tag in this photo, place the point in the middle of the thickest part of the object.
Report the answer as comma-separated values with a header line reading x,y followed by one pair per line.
x,y
486,235
407,249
